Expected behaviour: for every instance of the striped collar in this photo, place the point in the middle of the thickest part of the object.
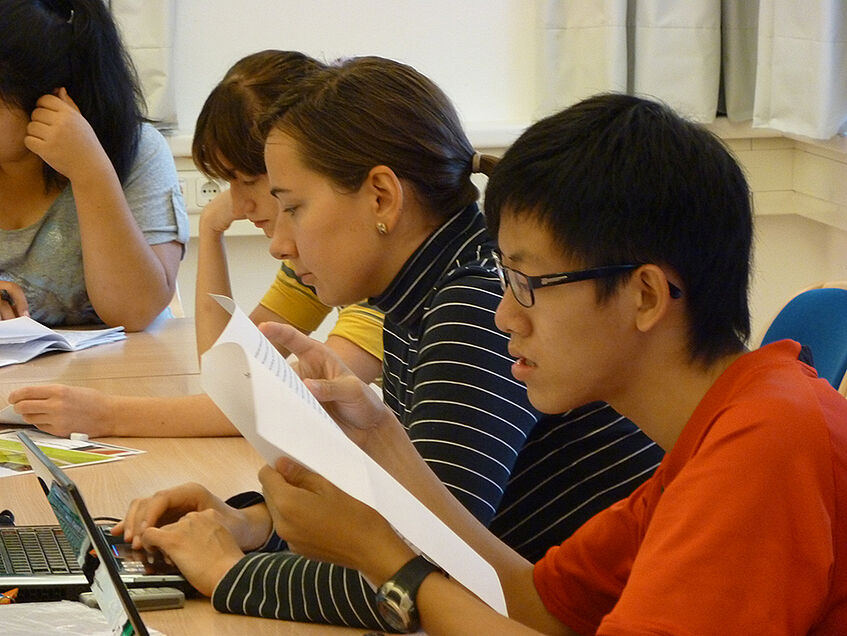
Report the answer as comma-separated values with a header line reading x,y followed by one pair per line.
x,y
453,244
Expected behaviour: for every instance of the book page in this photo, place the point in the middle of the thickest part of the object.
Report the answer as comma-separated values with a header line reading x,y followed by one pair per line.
x,y
274,410
22,339
84,338
25,329
23,351
8,415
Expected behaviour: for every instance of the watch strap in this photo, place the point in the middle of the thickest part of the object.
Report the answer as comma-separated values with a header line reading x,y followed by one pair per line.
x,y
411,575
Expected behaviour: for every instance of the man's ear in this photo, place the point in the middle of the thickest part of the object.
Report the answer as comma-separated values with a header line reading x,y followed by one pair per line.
x,y
653,296
387,192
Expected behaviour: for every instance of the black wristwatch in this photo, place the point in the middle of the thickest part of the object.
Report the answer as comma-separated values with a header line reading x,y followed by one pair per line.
x,y
396,598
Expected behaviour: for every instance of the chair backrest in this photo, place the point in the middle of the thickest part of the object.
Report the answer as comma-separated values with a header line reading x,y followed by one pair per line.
x,y
817,318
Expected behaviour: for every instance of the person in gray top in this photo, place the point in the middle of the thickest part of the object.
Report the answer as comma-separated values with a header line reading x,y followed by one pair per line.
x,y
92,222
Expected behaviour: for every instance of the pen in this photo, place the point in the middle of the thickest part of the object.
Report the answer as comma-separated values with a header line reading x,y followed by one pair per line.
x,y
4,295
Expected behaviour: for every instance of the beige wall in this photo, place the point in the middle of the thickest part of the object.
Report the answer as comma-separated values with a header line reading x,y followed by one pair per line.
x,y
800,200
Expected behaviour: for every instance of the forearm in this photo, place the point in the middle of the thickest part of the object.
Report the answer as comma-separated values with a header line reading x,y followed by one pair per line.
x,y
394,451
126,281
212,278
447,608
184,416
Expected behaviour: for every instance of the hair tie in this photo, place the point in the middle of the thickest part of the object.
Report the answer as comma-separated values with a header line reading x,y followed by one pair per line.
x,y
475,161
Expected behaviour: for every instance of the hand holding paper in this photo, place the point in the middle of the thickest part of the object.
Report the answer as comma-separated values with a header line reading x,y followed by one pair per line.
x,y
272,408
354,406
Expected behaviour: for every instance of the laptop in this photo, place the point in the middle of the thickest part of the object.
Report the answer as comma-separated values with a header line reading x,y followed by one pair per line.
x,y
60,562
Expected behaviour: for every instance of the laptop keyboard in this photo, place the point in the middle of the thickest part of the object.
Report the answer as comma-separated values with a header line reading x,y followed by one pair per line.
x,y
37,551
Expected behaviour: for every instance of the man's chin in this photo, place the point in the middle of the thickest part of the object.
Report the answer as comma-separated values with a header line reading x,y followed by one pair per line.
x,y
547,402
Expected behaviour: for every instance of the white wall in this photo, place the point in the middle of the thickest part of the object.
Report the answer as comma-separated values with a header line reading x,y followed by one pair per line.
x,y
481,52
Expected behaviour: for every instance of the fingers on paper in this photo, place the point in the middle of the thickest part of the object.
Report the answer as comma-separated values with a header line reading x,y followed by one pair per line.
x,y
287,337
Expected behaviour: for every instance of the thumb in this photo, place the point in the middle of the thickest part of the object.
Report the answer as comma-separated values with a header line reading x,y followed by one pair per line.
x,y
63,95
346,389
322,390
297,475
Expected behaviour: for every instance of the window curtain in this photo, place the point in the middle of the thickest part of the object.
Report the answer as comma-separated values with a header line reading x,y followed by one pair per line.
x,y
147,29
780,63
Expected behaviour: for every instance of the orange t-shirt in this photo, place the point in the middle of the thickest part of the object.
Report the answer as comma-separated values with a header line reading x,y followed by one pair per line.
x,y
742,529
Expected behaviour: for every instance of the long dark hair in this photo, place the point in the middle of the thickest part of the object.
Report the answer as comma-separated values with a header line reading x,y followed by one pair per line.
x,y
48,44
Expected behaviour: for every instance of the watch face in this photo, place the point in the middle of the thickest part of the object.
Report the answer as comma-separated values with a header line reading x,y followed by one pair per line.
x,y
396,598
392,615
396,607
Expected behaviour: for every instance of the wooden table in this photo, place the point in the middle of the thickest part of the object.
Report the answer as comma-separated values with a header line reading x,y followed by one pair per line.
x,y
161,361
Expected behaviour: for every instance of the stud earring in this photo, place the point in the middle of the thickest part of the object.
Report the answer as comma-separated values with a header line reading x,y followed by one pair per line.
x,y
380,227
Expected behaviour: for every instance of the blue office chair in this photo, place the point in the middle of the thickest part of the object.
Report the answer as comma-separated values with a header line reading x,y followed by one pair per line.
x,y
817,317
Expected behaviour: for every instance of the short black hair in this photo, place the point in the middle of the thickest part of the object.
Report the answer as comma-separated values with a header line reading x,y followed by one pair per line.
x,y
620,179
48,44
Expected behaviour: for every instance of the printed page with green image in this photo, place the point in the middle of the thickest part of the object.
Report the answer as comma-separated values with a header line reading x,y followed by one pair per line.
x,y
66,453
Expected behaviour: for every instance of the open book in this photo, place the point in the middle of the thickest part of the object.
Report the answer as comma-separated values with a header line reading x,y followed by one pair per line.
x,y
262,396
23,339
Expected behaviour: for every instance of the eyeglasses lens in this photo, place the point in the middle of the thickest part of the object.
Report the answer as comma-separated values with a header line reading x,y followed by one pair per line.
x,y
520,288
517,281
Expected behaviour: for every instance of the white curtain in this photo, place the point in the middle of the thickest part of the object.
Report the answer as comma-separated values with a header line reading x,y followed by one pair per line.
x,y
783,63
801,83
147,29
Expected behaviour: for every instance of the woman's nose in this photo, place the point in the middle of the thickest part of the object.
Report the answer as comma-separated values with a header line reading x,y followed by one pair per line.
x,y
282,240
242,203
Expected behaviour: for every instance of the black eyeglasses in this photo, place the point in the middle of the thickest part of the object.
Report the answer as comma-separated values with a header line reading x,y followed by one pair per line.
x,y
523,286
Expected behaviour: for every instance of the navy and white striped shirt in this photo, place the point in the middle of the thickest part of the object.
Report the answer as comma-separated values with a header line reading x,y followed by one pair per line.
x,y
447,376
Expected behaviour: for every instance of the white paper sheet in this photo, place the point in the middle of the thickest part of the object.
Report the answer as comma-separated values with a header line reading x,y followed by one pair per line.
x,y
263,397
8,415
67,618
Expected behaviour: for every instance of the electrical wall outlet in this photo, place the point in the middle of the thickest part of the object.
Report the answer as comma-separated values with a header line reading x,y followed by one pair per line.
x,y
198,189
206,191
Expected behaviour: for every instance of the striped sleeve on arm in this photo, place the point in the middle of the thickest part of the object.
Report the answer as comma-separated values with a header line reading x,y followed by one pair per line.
x,y
287,586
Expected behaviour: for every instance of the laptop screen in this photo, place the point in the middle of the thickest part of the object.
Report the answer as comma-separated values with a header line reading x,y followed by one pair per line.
x,y
92,551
